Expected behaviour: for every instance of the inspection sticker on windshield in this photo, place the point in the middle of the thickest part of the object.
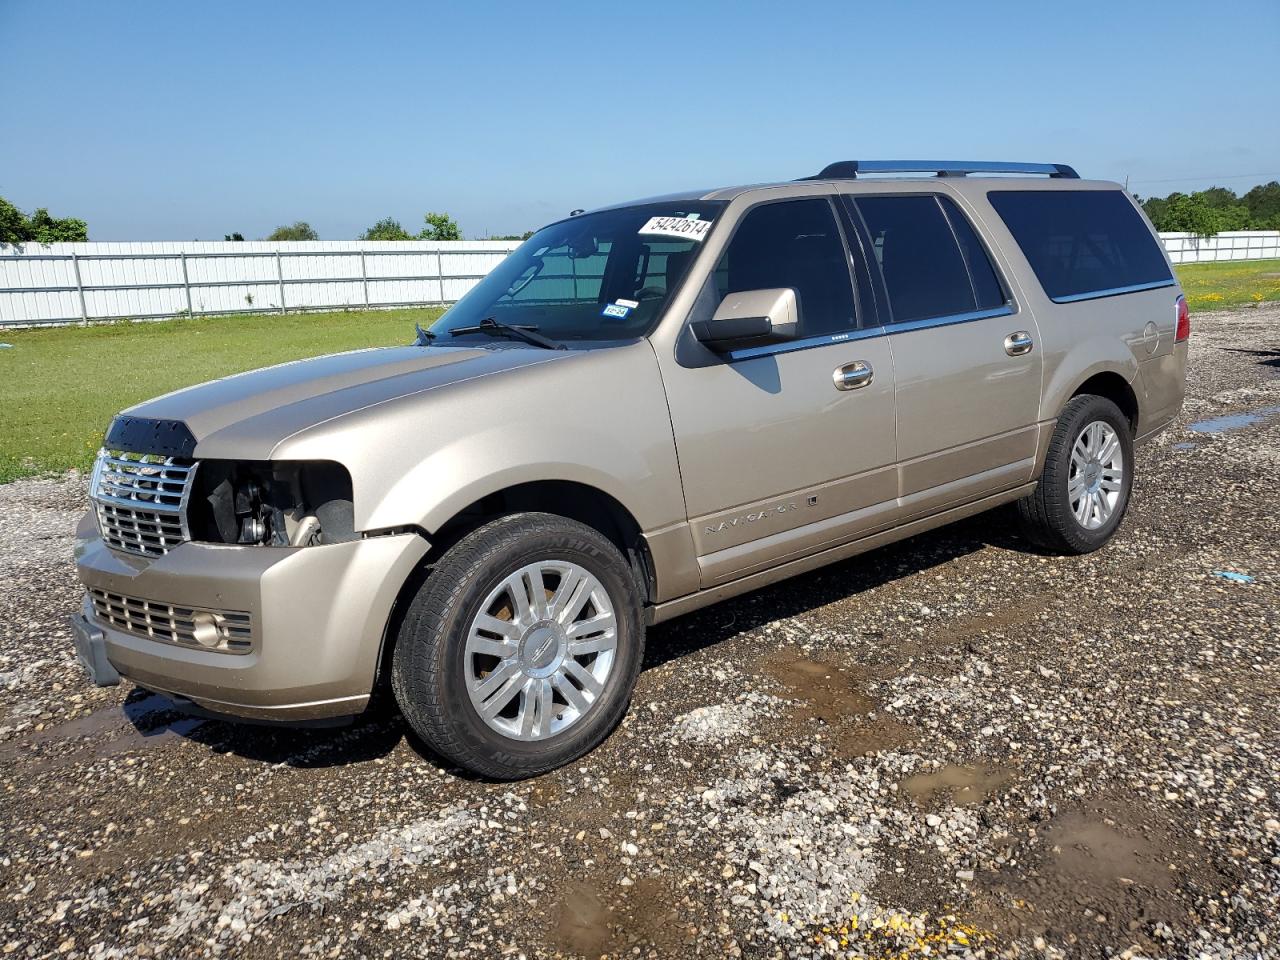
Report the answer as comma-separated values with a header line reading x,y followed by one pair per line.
x,y
616,310
677,227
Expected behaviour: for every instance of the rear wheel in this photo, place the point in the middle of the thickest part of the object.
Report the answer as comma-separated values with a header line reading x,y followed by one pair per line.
x,y
520,650
1088,474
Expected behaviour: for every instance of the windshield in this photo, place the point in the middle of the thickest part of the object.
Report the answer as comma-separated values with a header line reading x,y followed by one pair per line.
x,y
599,276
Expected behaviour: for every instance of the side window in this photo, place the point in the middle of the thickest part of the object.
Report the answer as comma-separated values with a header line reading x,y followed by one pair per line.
x,y
986,285
797,244
924,268
1082,243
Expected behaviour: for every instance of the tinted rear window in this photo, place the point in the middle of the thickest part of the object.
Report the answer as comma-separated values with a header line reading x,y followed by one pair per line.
x,y
1082,243
926,271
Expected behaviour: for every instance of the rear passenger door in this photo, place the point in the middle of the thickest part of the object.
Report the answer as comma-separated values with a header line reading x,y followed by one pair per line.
x,y
966,369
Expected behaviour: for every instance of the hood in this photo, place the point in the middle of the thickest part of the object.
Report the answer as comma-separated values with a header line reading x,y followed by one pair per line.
x,y
246,415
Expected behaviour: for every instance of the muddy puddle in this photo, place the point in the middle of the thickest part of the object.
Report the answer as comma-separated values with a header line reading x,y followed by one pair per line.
x,y
592,923
1234,421
1103,873
582,925
835,699
832,691
141,724
955,785
1096,850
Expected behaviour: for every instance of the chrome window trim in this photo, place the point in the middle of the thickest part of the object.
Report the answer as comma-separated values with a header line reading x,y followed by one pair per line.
x,y
1004,310
1114,291
808,343
805,343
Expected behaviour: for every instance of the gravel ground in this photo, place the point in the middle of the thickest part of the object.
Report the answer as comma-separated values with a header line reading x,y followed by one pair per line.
x,y
950,746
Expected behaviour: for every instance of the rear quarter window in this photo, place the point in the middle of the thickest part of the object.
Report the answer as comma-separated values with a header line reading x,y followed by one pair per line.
x,y
1082,243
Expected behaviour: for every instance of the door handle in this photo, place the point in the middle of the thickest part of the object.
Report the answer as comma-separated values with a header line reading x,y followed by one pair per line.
x,y
853,375
1016,344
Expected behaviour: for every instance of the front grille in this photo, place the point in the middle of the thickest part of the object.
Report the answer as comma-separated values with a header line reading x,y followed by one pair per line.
x,y
141,500
230,631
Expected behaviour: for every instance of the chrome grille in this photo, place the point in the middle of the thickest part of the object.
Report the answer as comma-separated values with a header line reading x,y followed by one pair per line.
x,y
230,631
141,501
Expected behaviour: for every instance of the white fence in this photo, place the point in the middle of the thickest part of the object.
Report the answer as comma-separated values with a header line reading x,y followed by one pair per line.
x,y
1231,245
74,282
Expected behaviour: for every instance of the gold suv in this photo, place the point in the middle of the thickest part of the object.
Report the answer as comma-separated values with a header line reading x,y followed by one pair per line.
x,y
644,409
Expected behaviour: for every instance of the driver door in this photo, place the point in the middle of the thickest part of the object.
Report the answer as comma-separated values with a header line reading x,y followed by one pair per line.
x,y
778,459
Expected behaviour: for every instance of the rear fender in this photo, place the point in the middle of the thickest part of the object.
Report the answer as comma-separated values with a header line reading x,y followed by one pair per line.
x,y
1087,359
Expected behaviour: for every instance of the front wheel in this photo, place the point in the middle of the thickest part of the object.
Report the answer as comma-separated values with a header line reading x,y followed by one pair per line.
x,y
1088,473
521,648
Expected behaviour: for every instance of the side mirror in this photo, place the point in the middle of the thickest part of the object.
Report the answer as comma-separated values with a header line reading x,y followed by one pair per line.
x,y
751,318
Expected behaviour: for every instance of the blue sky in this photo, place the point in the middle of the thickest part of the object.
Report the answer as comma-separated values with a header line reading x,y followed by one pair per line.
x,y
189,120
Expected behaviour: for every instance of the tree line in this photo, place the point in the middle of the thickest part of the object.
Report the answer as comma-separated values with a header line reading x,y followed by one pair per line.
x,y
1203,213
1208,212
436,226
40,227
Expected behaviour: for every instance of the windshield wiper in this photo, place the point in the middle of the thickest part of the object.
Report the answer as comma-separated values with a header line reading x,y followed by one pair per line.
x,y
526,332
424,336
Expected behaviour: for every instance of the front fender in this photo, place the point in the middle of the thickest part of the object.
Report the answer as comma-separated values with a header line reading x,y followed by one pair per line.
x,y
475,465
598,417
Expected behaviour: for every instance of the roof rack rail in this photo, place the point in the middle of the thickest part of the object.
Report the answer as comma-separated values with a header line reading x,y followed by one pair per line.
x,y
849,169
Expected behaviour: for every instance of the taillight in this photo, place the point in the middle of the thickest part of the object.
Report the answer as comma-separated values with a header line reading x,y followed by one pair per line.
x,y
1183,328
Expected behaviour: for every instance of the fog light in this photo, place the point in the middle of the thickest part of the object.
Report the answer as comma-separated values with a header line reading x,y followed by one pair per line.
x,y
207,629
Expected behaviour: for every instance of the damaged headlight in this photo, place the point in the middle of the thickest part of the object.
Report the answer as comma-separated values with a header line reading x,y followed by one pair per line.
x,y
276,503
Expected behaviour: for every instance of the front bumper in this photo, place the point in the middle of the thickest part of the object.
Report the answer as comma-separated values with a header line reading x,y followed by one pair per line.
x,y
319,616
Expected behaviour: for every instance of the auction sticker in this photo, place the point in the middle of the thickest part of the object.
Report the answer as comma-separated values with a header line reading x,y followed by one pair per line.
x,y
677,227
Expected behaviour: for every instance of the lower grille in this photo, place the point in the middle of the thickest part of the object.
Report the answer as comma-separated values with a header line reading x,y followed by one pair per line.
x,y
229,631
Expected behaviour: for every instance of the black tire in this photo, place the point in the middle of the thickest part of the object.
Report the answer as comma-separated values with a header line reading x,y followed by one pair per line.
x,y
429,664
1046,515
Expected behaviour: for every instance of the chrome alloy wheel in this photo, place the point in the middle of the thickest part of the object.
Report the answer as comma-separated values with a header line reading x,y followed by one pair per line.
x,y
540,650
1096,481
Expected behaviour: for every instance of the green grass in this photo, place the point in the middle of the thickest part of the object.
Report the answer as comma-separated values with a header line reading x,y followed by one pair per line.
x,y
1216,286
60,387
